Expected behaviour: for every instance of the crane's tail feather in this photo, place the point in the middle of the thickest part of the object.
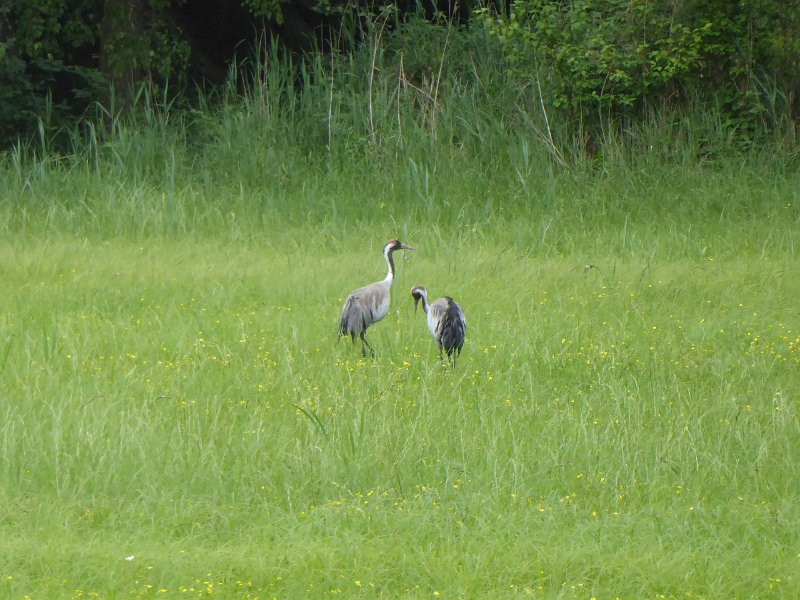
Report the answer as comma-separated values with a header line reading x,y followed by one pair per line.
x,y
353,323
453,330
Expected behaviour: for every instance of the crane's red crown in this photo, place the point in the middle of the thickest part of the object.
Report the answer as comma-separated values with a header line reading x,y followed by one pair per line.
x,y
393,245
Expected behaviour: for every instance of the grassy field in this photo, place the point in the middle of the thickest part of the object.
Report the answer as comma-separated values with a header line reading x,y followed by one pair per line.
x,y
178,419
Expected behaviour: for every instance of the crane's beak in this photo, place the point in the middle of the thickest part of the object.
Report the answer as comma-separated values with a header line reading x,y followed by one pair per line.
x,y
416,303
404,247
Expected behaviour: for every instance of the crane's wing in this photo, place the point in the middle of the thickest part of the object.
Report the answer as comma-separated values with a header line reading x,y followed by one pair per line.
x,y
363,307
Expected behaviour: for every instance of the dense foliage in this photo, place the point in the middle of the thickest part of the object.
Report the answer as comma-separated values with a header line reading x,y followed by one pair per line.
x,y
623,57
590,62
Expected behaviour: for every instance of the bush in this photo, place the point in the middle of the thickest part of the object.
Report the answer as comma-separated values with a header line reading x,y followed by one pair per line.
x,y
595,59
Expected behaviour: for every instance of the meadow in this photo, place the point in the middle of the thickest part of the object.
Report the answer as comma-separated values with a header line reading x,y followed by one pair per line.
x,y
179,420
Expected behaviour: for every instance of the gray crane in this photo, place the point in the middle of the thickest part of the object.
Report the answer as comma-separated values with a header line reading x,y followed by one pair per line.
x,y
446,322
369,304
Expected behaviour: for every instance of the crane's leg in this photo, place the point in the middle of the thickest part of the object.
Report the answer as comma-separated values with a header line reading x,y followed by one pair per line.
x,y
364,342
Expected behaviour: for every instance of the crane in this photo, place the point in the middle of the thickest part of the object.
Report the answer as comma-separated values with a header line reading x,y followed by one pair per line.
x,y
446,322
369,304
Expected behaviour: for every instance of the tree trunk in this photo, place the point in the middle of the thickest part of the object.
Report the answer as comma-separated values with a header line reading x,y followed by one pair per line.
x,y
123,44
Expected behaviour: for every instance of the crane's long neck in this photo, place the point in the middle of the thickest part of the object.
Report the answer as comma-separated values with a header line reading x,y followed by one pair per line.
x,y
390,265
424,297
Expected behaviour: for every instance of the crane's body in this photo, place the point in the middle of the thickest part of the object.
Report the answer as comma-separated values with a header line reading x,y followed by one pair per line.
x,y
446,322
369,304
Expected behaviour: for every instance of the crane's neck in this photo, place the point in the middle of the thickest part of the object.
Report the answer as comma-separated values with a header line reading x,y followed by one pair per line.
x,y
390,264
424,297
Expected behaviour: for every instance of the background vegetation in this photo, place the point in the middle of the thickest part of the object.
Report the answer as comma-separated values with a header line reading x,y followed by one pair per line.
x,y
589,61
624,419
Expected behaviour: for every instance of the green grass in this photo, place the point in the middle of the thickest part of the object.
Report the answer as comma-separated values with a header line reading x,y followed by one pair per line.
x,y
630,430
179,420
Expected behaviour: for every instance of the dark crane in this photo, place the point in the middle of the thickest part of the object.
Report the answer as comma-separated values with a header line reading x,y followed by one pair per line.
x,y
445,320
369,304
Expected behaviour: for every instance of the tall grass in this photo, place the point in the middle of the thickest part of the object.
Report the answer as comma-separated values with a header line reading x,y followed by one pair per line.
x,y
409,119
182,422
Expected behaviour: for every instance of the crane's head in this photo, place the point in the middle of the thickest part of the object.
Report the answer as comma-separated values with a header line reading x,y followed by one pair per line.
x,y
418,292
393,245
